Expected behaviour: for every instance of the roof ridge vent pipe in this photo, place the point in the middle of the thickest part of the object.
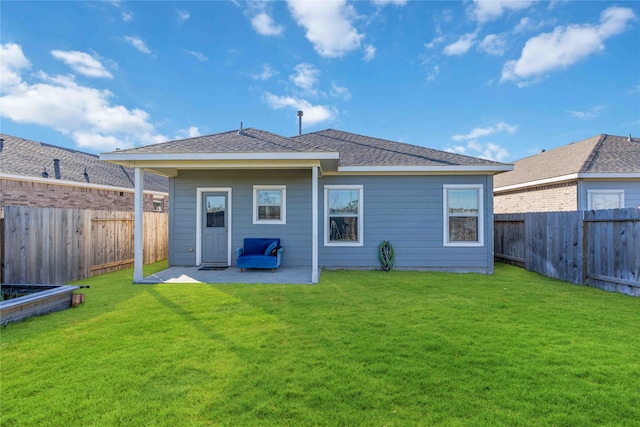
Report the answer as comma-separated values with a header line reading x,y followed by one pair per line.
x,y
630,139
300,114
45,174
56,167
241,131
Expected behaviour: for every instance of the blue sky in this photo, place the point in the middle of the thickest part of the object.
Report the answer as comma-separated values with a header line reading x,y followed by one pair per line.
x,y
493,79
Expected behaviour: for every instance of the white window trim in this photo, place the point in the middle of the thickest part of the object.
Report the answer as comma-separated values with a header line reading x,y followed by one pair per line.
x,y
283,207
591,193
360,241
445,211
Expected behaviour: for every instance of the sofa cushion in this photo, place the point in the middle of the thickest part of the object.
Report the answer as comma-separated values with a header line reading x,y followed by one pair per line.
x,y
257,246
270,248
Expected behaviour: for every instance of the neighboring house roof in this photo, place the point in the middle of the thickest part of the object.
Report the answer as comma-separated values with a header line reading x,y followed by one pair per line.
x,y
341,151
23,158
617,156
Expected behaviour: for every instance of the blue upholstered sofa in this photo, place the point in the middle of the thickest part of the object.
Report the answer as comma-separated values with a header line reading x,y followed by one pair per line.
x,y
257,254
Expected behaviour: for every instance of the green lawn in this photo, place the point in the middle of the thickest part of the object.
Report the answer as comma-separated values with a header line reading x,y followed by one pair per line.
x,y
360,348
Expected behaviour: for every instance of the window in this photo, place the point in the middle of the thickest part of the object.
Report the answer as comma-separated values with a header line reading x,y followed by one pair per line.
x,y
269,204
463,215
605,199
343,215
158,204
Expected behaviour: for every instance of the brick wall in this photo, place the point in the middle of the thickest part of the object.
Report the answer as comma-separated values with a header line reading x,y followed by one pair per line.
x,y
548,198
45,195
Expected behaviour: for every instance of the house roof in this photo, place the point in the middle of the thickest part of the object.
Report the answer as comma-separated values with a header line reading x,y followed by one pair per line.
x,y
359,150
341,151
22,158
601,154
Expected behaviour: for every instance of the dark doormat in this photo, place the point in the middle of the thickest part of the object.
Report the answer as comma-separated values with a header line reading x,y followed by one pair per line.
x,y
212,268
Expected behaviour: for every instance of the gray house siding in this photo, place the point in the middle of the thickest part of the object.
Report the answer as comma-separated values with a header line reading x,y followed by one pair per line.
x,y
295,235
408,212
631,191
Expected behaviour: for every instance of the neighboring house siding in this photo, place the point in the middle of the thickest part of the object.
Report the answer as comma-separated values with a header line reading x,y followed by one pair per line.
x,y
631,190
548,198
295,235
45,195
406,210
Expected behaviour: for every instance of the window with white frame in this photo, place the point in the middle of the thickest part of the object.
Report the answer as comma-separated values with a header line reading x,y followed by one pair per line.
x,y
158,203
463,215
605,199
343,215
269,204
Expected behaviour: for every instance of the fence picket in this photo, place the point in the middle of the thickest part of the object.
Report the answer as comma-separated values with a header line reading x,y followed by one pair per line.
x,y
597,248
50,245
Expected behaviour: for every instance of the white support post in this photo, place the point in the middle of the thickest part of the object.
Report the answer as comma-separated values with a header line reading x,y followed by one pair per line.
x,y
138,226
314,225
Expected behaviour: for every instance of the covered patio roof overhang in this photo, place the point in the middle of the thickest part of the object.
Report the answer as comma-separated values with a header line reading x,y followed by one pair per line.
x,y
169,164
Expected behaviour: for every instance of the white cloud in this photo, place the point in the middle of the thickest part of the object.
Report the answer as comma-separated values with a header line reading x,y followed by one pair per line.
x,y
369,53
591,113
306,78
82,63
462,45
198,55
59,102
482,132
489,10
493,44
435,71
138,44
12,61
528,25
340,91
191,132
266,73
565,46
183,16
127,16
433,43
265,25
313,114
329,26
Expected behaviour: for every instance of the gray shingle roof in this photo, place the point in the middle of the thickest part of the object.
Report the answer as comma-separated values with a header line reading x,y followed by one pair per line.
x,y
19,156
359,150
249,141
598,154
354,150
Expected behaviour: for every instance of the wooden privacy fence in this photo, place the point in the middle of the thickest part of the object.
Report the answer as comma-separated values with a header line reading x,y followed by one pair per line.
x,y
48,245
595,248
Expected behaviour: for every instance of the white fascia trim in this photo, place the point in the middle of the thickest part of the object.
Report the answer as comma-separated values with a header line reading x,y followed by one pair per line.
x,y
54,181
630,175
538,183
423,169
127,157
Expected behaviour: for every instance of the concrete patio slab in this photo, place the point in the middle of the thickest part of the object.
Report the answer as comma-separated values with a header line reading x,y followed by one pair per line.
x,y
300,276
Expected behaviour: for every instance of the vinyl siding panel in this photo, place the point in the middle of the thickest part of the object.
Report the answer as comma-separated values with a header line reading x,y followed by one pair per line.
x,y
295,235
631,191
408,212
